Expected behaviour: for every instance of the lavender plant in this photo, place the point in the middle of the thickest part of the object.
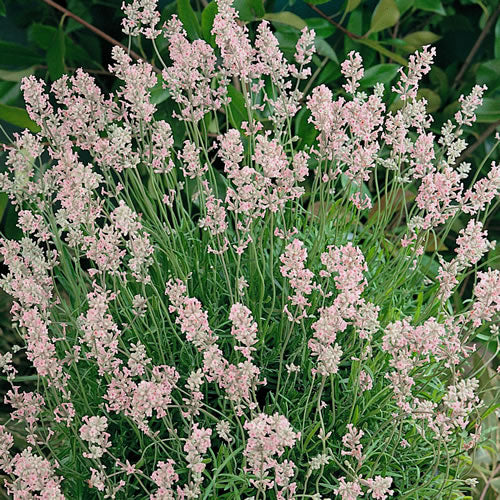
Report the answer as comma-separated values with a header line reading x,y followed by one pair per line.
x,y
227,317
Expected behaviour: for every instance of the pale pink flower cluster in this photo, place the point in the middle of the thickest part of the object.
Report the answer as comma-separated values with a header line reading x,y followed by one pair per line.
x,y
233,41
419,65
237,380
268,436
365,381
138,400
487,297
467,114
244,329
190,156
352,444
32,476
196,446
27,406
164,477
348,263
269,185
472,244
348,130
411,347
141,18
379,487
353,71
93,431
215,220
348,490
305,47
138,78
300,278
189,77
482,192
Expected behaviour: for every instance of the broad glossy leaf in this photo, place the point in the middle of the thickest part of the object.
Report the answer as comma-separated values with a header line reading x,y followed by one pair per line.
x,y
435,6
322,27
489,111
404,5
323,48
158,93
18,117
495,484
15,76
287,18
18,56
354,25
3,203
44,37
238,112
488,73
352,4
249,10
418,39
189,19
383,73
440,80
433,99
329,73
382,50
303,128
55,55
385,15
3,10
207,22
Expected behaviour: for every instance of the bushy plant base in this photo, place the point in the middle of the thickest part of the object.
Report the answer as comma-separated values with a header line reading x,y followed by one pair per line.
x,y
230,314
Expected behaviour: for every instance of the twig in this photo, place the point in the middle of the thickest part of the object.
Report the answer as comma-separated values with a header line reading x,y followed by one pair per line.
x,y
336,24
97,31
475,47
479,141
485,490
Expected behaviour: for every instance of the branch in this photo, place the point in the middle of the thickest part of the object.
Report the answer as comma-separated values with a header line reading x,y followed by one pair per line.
x,y
337,25
475,47
479,141
97,31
